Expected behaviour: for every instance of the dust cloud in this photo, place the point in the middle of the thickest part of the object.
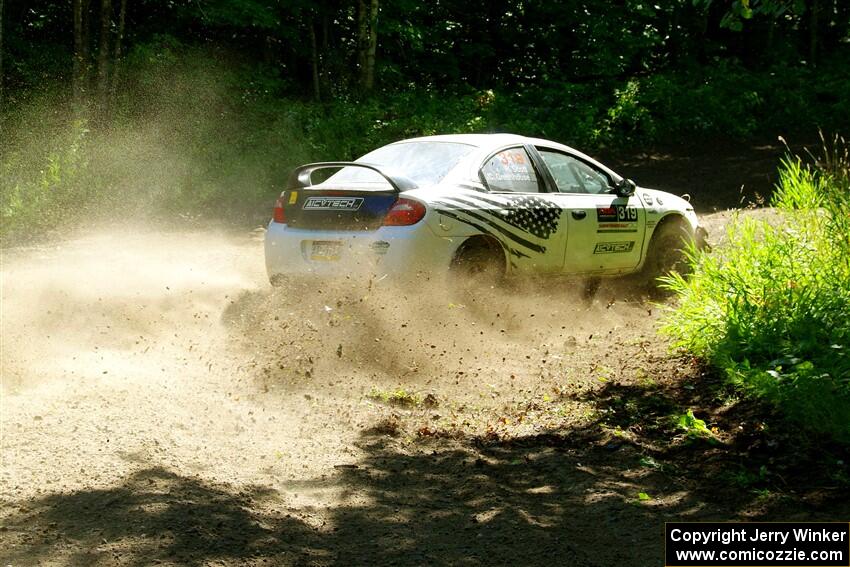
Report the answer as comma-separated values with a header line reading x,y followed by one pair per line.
x,y
139,329
182,143
136,303
121,318
122,302
161,354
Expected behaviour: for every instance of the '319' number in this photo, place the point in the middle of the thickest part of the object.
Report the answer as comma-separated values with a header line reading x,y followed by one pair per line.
x,y
625,213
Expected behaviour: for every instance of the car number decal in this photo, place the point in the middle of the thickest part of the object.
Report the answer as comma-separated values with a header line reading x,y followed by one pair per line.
x,y
616,218
617,213
614,247
332,203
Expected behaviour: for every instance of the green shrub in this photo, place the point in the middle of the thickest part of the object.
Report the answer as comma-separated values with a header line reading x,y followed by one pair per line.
x,y
43,181
772,307
194,131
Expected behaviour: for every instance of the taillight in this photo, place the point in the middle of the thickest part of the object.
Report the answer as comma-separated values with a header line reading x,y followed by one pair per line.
x,y
279,215
404,213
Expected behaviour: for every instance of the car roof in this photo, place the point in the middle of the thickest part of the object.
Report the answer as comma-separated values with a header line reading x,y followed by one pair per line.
x,y
490,142
478,140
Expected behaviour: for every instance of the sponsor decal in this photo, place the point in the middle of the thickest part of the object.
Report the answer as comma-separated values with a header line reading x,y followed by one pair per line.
x,y
333,203
615,227
606,214
616,213
293,197
614,247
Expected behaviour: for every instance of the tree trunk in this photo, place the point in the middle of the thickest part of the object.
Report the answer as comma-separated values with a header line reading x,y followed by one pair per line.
x,y
841,26
79,53
1,54
813,32
362,40
86,42
324,63
103,48
371,48
119,38
314,60
325,33
771,36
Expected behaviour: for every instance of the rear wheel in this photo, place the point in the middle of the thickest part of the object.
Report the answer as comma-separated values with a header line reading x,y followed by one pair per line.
x,y
478,266
290,285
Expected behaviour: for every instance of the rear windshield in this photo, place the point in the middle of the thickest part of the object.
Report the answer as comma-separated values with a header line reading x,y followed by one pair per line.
x,y
425,163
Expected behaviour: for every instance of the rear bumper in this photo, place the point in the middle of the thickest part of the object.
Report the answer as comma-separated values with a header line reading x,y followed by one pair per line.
x,y
413,252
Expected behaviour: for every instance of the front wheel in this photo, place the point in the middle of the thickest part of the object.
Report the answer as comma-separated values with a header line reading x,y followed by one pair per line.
x,y
667,253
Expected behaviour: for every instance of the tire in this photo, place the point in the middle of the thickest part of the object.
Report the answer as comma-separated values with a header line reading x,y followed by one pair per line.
x,y
589,289
478,265
666,253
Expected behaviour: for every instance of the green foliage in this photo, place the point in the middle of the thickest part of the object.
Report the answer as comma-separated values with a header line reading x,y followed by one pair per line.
x,y
400,397
720,100
45,182
725,99
349,128
746,478
197,132
650,463
451,44
741,11
693,427
188,135
772,308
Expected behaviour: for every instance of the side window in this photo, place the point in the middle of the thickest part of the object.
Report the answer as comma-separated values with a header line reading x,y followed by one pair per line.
x,y
511,171
573,175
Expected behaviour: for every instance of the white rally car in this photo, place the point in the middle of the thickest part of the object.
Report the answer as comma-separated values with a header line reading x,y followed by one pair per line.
x,y
497,205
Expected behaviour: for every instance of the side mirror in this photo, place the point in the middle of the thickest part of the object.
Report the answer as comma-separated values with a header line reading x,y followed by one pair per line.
x,y
625,188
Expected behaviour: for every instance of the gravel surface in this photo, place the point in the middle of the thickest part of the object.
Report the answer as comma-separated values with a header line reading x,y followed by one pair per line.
x,y
161,404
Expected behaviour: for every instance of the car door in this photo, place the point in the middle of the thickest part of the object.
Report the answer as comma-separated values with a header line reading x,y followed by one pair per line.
x,y
605,232
517,211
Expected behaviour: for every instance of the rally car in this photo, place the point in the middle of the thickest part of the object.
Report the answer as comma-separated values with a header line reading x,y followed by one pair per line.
x,y
497,205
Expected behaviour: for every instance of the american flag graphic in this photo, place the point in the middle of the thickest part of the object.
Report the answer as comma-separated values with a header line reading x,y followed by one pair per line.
x,y
533,215
520,222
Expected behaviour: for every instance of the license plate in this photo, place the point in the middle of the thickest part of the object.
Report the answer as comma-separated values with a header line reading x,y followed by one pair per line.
x,y
325,251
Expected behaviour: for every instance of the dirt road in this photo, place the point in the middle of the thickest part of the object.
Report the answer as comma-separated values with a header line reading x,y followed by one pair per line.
x,y
162,404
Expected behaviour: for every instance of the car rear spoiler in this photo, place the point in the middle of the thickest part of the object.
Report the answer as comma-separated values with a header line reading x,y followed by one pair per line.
x,y
301,176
